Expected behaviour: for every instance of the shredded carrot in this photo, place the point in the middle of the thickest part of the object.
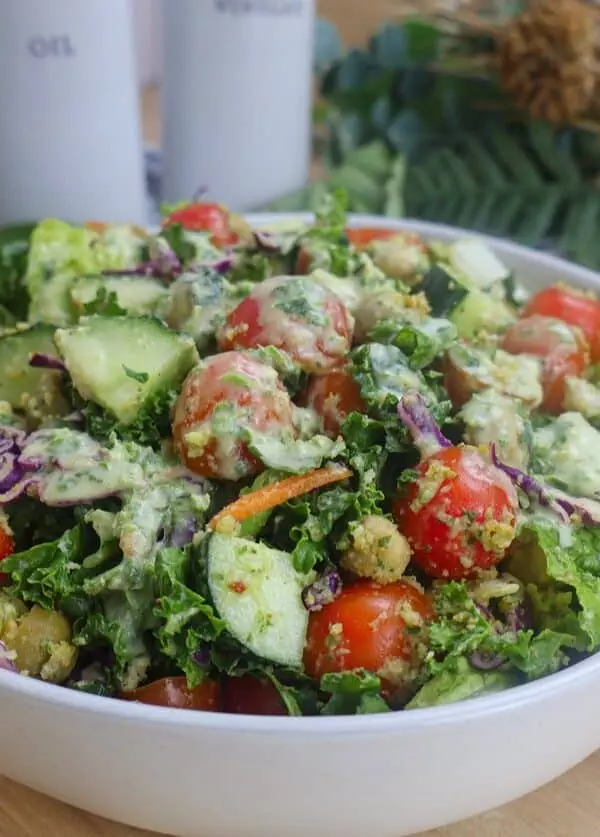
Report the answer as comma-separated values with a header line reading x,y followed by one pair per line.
x,y
100,227
96,226
280,492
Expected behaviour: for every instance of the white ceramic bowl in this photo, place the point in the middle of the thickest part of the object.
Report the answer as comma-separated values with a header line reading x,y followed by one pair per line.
x,y
190,774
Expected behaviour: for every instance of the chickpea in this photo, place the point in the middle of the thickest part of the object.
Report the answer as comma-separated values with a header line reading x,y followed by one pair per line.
x,y
34,636
387,304
379,551
401,257
10,610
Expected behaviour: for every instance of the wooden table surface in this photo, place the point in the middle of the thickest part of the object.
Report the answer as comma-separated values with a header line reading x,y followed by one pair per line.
x,y
569,807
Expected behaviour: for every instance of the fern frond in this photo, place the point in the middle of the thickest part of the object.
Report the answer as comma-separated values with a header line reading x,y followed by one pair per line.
x,y
523,186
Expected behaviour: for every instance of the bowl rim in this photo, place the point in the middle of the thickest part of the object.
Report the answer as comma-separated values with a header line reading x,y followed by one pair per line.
x,y
462,712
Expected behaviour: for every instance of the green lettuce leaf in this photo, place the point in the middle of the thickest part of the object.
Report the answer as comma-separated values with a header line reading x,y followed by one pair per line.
x,y
460,681
461,629
422,343
60,252
561,560
355,692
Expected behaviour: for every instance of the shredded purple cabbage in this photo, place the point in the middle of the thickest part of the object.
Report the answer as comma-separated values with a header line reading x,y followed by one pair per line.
x,y
324,590
416,417
182,533
15,478
44,361
519,618
6,664
162,264
483,661
202,655
221,266
561,504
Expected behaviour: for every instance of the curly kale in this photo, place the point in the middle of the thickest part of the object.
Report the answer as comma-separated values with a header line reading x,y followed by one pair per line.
x,y
150,427
14,253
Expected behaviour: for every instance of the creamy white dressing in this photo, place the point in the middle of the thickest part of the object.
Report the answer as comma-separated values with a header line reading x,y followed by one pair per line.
x,y
302,324
491,416
568,450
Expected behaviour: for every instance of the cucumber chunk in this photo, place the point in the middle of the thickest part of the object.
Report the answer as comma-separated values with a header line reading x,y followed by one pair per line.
x,y
19,379
257,592
137,296
121,362
479,312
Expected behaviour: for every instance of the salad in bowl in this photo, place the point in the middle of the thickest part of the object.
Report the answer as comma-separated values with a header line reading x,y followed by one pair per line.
x,y
309,469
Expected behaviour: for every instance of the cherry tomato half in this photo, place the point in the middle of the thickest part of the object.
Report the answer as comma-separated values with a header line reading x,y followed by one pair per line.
x,y
368,626
205,217
250,696
571,306
248,394
174,692
333,397
295,314
7,547
459,515
563,349
361,237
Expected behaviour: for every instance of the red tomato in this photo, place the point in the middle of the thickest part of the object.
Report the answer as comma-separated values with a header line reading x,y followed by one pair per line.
x,y
7,547
333,397
249,696
295,314
368,626
248,394
174,692
571,306
303,262
563,348
459,515
361,237
205,217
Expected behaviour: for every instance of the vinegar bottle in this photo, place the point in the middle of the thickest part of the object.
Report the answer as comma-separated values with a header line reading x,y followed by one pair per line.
x,y
236,99
69,112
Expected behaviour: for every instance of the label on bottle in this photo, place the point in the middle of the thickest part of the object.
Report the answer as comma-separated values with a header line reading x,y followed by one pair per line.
x,y
267,8
51,46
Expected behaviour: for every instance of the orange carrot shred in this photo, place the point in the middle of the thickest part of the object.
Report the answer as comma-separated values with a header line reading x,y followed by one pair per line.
x,y
280,492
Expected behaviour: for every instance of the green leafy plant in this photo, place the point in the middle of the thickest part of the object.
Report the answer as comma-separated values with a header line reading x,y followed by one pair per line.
x,y
405,130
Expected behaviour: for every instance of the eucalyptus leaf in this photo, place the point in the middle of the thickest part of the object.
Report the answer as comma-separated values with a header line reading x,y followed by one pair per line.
x,y
328,44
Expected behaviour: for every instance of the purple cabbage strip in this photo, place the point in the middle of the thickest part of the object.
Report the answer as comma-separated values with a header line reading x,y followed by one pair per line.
x,y
561,504
6,664
162,264
519,618
14,477
324,590
202,655
416,417
588,510
44,361
221,266
182,533
483,661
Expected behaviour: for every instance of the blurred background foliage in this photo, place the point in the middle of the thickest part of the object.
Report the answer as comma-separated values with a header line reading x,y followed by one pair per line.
x,y
417,123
